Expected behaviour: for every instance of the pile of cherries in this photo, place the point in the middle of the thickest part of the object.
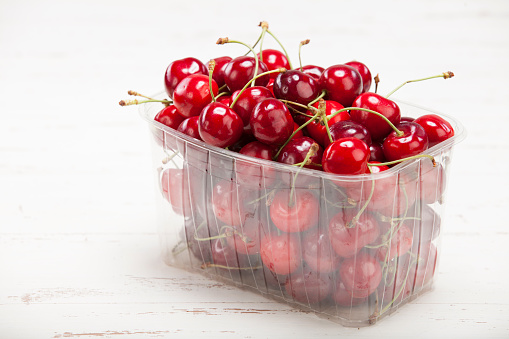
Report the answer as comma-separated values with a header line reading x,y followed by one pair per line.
x,y
320,243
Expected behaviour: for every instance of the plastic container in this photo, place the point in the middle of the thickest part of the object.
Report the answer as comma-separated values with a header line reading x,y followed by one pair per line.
x,y
219,210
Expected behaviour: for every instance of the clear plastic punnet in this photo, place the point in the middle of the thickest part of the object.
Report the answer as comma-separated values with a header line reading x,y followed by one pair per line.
x,y
354,248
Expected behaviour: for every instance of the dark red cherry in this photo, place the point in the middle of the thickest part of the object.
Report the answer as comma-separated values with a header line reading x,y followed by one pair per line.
x,y
180,69
169,116
406,119
437,128
192,94
299,133
361,275
295,211
377,126
364,72
225,99
346,129
313,71
243,141
248,99
296,151
295,86
281,253
226,257
274,59
317,130
219,125
346,156
239,71
343,84
190,127
317,251
309,287
255,174
218,74
271,122
413,141
376,152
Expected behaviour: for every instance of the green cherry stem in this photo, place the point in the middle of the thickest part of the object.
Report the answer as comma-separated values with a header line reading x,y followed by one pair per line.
x,y
311,152
405,159
445,75
363,208
322,94
282,47
279,70
398,132
264,25
139,102
221,94
222,41
302,43
311,108
212,65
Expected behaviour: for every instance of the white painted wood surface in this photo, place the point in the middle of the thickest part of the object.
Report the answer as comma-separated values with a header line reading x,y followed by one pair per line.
x,y
79,254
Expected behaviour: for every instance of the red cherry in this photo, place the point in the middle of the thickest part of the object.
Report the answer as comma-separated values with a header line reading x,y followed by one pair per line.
x,y
299,134
348,240
224,255
309,287
296,150
247,100
377,127
169,116
343,84
180,69
175,190
192,94
218,73
312,70
239,71
246,239
342,297
281,253
437,128
376,169
295,212
346,156
270,86
274,59
254,174
318,131
271,122
413,141
407,119
376,152
364,72
219,125
317,251
347,129
295,86
190,127
225,100
361,275
229,203
398,243
245,139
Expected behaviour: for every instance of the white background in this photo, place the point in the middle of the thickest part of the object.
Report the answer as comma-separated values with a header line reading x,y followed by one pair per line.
x,y
79,252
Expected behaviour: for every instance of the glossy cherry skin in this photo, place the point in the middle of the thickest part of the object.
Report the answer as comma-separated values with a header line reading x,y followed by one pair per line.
x,y
317,251
313,71
360,275
295,213
180,69
348,238
271,122
218,73
254,174
413,141
274,59
190,127
169,116
295,86
296,150
437,128
239,71
343,84
281,254
316,130
347,129
377,126
248,99
346,156
225,99
309,287
192,94
376,152
219,125
364,72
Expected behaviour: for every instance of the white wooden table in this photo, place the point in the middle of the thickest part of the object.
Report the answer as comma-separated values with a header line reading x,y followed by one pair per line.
x,y
79,255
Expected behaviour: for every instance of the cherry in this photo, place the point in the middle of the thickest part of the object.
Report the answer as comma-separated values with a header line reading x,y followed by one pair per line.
x,y
427,224
317,130
360,275
295,86
219,125
190,127
281,253
343,84
246,239
376,152
397,284
432,182
346,156
347,237
407,119
218,74
192,94
376,169
239,71
229,203
271,122
180,69
169,116
244,102
437,128
347,129
412,142
364,72
309,287
274,59
313,71
296,150
225,99
395,242
254,174
343,297
317,251
299,133
295,212
377,126
198,242
175,190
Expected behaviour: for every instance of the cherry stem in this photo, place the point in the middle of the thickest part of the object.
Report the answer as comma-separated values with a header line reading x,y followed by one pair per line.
x,y
282,47
398,132
363,208
208,265
130,92
405,159
221,88
377,80
311,108
264,25
311,152
302,43
318,97
279,70
139,102
212,65
169,158
296,111
445,75
263,196
222,41
221,94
